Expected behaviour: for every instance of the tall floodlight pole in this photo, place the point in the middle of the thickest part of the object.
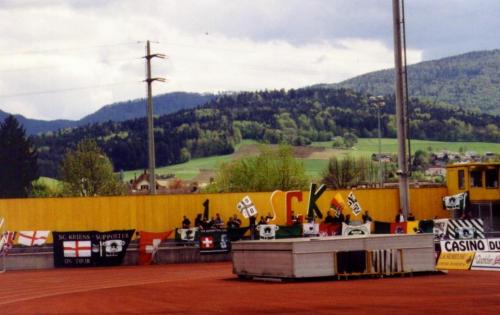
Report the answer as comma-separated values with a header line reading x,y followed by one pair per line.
x,y
401,121
151,134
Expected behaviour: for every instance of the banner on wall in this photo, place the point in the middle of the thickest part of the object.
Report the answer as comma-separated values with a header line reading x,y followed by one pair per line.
x,y
267,231
310,229
363,229
465,229
455,261
328,229
90,248
399,228
246,207
354,204
439,228
214,241
187,235
32,238
474,245
486,261
455,202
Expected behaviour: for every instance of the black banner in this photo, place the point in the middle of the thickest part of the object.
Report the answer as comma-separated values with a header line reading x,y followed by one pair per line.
x,y
90,248
214,241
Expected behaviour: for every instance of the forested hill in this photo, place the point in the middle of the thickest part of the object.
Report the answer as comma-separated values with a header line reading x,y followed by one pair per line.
x,y
163,104
295,116
471,81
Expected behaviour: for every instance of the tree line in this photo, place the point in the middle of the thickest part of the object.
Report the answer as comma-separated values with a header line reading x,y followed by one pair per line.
x,y
295,117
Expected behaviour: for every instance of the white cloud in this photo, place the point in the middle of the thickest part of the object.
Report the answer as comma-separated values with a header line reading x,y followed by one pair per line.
x,y
250,45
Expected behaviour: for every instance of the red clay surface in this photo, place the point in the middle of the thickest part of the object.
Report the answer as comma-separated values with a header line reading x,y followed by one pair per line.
x,y
213,289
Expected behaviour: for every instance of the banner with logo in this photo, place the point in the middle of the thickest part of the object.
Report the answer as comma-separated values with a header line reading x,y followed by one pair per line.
x,y
214,241
455,261
310,229
471,245
90,248
465,229
486,261
455,202
439,228
187,235
267,231
363,229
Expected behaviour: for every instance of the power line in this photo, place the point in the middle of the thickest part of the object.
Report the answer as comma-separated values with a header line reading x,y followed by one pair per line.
x,y
69,89
80,48
24,69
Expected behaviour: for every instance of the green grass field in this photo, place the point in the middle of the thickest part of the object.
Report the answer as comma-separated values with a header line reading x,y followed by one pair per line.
x,y
314,166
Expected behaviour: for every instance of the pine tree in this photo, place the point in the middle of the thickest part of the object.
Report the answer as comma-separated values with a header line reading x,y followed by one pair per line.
x,y
18,160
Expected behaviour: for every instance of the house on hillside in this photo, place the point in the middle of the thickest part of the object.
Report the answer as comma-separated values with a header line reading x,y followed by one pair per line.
x,y
164,185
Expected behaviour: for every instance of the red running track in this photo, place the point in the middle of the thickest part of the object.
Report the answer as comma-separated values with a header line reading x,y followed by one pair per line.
x,y
213,289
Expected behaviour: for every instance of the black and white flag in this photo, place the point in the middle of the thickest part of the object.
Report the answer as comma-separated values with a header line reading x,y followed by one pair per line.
x,y
246,207
354,204
455,202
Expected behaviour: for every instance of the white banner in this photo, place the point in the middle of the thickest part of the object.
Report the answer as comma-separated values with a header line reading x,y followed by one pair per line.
x,y
354,204
310,229
267,231
363,229
478,245
486,261
455,202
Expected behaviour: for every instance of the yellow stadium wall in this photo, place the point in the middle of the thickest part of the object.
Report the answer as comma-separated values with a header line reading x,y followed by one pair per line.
x,y
164,212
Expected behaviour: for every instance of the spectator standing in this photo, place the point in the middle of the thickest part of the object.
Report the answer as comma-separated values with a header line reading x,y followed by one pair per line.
x,y
366,217
186,224
198,221
400,217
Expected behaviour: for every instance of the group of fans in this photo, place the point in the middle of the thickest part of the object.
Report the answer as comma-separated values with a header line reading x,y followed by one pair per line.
x,y
217,222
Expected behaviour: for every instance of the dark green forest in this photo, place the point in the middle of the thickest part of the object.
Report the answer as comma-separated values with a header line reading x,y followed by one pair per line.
x,y
470,81
295,117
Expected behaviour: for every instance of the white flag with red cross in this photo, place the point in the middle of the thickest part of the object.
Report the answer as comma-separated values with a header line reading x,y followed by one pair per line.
x,y
77,248
32,238
207,241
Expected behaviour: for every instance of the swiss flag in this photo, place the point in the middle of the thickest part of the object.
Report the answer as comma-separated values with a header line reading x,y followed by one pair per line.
x,y
207,242
148,245
77,248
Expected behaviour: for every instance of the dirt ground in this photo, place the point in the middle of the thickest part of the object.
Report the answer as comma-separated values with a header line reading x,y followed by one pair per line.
x,y
213,289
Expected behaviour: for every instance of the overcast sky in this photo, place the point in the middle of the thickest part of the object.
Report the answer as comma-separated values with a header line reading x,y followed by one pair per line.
x,y
84,54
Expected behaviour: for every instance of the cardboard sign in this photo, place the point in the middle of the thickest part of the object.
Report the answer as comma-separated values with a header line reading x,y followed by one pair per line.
x,y
455,261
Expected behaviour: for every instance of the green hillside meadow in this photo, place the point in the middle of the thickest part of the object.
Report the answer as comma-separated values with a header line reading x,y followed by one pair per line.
x,y
317,161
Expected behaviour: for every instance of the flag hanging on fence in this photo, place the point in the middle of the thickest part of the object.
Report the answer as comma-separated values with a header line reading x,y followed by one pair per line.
x,y
310,229
289,231
382,227
90,248
214,241
186,235
363,229
246,207
354,204
399,228
6,241
328,229
465,229
149,243
455,202
32,238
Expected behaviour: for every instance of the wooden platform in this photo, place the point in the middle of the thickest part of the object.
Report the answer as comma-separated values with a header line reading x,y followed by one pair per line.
x,y
334,256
